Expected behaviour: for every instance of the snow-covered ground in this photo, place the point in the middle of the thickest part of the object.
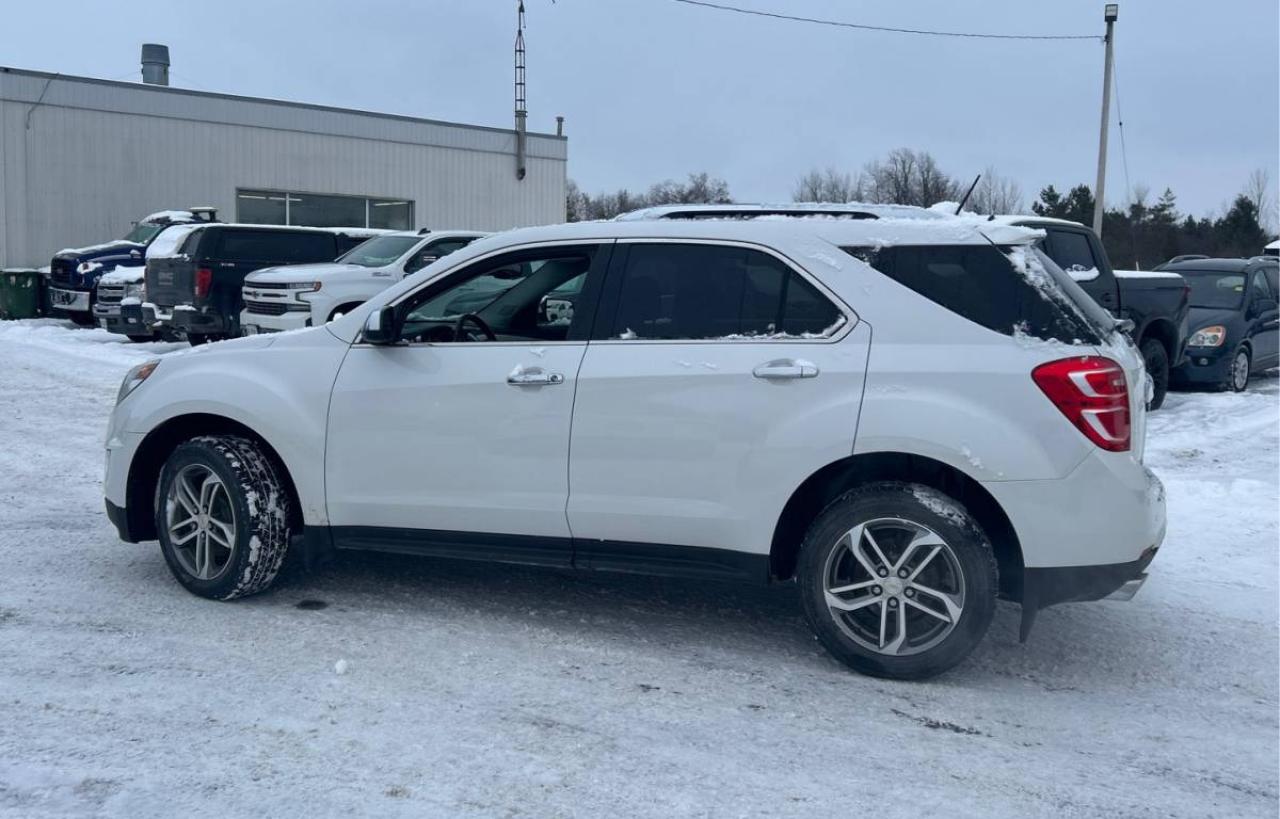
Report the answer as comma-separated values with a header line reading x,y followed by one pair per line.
x,y
402,687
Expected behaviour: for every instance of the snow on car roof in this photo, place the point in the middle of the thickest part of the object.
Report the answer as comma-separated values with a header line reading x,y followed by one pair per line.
x,y
169,216
843,232
1146,274
831,210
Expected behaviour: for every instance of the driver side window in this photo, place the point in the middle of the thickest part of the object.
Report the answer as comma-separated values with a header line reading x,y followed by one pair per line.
x,y
521,297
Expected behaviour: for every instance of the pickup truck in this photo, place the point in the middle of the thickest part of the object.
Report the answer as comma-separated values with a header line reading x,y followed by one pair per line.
x,y
1157,305
194,283
74,271
306,295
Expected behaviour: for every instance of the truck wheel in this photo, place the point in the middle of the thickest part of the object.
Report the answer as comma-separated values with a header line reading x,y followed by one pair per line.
x,y
196,339
1156,359
141,339
81,319
897,580
222,516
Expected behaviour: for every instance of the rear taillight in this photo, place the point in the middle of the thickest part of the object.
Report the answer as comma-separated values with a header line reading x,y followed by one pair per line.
x,y
204,280
1094,395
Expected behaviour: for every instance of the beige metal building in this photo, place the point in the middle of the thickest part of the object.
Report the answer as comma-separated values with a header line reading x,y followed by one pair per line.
x,y
81,159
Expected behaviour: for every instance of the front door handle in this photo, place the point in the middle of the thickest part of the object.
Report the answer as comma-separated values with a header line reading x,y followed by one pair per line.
x,y
533,377
786,368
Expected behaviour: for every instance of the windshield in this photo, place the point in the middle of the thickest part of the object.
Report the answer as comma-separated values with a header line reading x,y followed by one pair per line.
x,y
379,251
1215,290
143,232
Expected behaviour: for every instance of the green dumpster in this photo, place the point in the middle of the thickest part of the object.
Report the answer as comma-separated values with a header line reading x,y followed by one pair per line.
x,y
19,294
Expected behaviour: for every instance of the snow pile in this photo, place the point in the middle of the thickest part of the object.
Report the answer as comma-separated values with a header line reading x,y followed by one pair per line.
x,y
124,275
165,245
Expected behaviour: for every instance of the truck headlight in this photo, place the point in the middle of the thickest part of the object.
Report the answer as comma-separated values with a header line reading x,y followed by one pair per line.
x,y
1208,336
134,378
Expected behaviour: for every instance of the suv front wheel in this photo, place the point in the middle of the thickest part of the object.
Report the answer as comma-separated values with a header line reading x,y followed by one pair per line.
x,y
222,516
897,580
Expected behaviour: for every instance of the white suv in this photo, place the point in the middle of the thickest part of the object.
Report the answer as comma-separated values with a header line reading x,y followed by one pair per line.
x,y
909,417
306,295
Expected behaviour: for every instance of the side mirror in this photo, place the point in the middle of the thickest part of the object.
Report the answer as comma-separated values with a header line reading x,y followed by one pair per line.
x,y
380,327
1125,326
135,254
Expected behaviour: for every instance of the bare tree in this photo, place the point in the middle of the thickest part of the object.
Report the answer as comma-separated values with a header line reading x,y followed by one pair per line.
x,y
828,185
700,188
907,177
1258,191
995,194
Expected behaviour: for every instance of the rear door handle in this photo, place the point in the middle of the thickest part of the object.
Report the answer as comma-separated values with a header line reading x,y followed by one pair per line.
x,y
533,377
786,368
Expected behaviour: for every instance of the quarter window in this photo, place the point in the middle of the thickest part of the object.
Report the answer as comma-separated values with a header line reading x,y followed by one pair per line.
x,y
277,246
692,291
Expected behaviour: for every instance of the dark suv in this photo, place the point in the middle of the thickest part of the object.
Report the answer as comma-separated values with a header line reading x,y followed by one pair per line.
x,y
195,289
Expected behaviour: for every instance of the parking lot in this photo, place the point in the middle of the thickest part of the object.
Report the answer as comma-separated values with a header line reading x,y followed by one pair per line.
x,y
395,686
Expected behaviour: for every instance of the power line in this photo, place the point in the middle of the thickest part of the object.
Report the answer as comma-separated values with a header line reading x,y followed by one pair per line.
x,y
892,29
1124,150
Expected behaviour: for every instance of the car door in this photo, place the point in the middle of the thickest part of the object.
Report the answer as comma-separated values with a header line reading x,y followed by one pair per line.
x,y
719,377
456,440
1075,252
1264,321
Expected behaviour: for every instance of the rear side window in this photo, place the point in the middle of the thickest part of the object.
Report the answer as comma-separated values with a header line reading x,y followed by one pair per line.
x,y
1073,253
690,291
279,246
1013,291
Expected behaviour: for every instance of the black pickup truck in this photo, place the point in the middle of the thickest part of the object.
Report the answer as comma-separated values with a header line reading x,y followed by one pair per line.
x,y
1157,305
194,287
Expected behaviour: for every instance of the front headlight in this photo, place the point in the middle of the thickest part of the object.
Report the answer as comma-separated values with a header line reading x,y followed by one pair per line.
x,y
137,291
134,378
302,290
1208,336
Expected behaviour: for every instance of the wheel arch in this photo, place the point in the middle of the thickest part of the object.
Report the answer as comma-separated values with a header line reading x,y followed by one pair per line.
x,y
834,479
159,444
1164,331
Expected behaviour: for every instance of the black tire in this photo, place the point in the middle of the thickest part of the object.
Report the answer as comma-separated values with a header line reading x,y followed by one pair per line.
x,y
259,503
81,319
970,557
1156,358
1236,382
144,339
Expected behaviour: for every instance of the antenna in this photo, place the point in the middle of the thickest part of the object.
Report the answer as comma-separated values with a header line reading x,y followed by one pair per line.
x,y
967,194
522,112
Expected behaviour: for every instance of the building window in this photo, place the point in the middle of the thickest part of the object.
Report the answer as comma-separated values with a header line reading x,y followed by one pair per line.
x,y
262,207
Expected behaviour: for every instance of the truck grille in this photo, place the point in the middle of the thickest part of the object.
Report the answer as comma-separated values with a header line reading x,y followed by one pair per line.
x,y
62,271
266,308
110,293
268,285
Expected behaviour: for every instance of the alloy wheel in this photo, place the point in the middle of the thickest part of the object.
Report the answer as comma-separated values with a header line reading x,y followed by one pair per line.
x,y
201,523
1240,371
894,586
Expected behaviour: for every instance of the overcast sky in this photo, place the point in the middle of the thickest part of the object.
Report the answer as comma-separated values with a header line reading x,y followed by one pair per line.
x,y
653,89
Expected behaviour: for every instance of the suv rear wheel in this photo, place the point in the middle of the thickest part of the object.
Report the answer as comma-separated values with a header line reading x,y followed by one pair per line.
x,y
222,516
897,580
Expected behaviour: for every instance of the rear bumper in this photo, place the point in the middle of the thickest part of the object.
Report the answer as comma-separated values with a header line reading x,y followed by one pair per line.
x,y
190,320
1043,587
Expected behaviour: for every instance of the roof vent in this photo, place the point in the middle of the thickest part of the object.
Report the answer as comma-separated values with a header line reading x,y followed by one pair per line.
x,y
155,64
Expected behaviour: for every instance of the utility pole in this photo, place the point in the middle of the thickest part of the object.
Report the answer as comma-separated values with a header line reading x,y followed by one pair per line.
x,y
522,113
1110,13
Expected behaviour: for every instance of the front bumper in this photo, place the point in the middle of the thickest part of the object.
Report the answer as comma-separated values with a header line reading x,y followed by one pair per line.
x,y
1203,366
253,323
125,320
69,301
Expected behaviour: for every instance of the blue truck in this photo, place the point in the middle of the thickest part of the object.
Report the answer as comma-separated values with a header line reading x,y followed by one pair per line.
x,y
74,272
